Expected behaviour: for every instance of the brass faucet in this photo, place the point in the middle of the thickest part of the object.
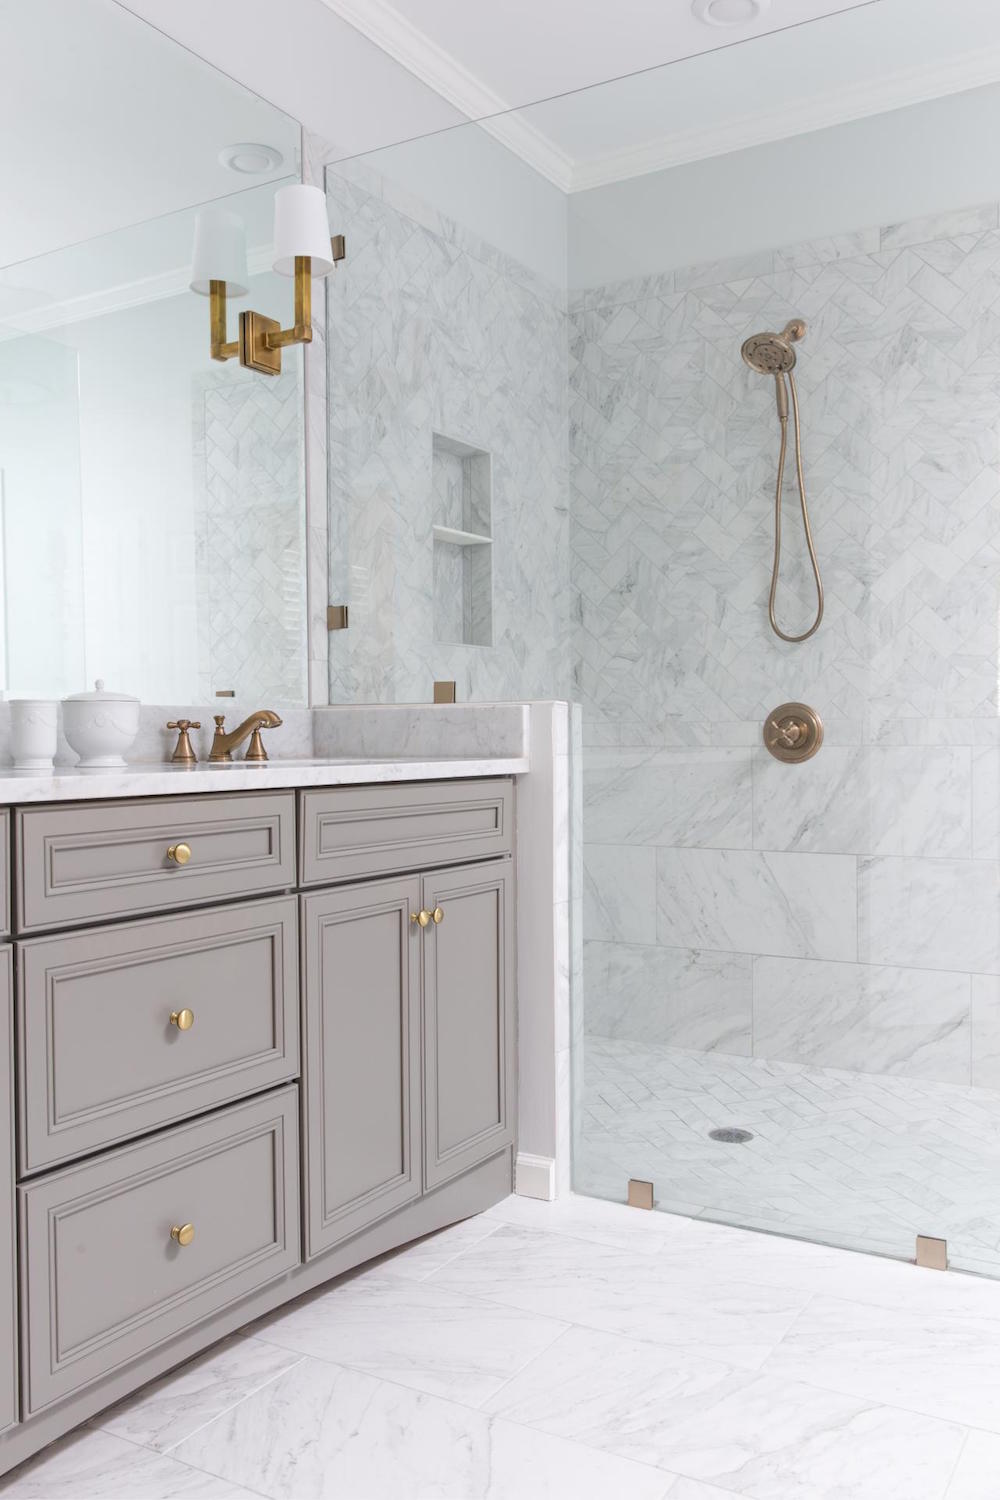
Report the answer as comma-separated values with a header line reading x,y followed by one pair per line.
x,y
224,744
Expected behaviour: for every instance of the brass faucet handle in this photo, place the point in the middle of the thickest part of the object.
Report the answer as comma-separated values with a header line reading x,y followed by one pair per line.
x,y
184,751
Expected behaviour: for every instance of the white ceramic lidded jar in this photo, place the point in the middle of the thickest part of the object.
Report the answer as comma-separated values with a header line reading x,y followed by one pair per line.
x,y
100,726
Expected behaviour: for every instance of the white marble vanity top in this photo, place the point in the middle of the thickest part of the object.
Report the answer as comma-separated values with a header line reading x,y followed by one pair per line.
x,y
69,784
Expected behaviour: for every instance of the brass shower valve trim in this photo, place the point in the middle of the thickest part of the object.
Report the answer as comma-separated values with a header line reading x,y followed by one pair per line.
x,y
793,732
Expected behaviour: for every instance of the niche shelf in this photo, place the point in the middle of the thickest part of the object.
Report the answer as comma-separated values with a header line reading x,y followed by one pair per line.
x,y
462,486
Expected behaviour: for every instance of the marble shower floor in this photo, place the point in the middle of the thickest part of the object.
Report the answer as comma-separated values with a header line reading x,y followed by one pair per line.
x,y
576,1351
859,1160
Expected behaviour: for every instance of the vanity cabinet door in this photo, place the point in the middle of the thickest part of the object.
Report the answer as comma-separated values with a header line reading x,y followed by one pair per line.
x,y
8,1285
361,1051
469,1038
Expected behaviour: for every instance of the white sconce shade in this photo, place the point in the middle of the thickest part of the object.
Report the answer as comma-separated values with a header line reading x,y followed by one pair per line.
x,y
220,252
301,227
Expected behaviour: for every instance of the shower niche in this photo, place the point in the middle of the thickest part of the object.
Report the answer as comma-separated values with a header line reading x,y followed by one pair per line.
x,y
462,490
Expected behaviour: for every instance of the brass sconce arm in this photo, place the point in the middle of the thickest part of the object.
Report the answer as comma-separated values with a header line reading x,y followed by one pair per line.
x,y
262,339
220,349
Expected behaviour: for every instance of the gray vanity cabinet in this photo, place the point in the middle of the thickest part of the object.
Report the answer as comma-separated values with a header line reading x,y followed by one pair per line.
x,y
361,1080
469,1037
8,1282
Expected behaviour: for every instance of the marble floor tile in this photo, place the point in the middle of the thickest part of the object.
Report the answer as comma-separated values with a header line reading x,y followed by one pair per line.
x,y
90,1465
875,1018
751,1434
977,1476
943,1365
419,1260
418,1334
166,1411
323,1432
623,1292
594,1219
795,905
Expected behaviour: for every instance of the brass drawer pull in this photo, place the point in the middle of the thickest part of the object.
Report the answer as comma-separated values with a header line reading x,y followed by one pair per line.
x,y
179,853
438,915
423,917
182,1233
182,1019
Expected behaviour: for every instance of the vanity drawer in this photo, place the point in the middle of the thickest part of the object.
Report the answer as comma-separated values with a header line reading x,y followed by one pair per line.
x,y
110,859
375,830
100,1059
102,1278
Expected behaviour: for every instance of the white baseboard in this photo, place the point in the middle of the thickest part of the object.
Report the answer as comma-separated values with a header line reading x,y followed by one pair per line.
x,y
535,1177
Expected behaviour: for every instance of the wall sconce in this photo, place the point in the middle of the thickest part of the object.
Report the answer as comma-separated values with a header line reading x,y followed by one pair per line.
x,y
302,249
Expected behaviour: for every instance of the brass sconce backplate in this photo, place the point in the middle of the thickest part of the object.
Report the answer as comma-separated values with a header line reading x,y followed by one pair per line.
x,y
793,732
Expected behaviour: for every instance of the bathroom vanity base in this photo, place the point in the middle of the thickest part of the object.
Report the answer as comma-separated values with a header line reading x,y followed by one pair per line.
x,y
460,1198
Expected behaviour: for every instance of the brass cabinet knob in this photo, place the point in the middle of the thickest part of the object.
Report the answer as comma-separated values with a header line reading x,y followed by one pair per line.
x,y
182,1019
423,917
179,853
182,1233
438,915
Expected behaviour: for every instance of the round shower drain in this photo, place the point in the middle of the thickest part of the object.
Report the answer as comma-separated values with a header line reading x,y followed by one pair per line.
x,y
731,1135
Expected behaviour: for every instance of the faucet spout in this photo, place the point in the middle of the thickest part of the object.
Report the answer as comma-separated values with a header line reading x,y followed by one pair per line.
x,y
224,744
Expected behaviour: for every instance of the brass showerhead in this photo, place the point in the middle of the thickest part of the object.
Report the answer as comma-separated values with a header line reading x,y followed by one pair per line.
x,y
773,353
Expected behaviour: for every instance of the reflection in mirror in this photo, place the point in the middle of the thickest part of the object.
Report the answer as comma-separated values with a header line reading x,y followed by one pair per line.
x,y
152,499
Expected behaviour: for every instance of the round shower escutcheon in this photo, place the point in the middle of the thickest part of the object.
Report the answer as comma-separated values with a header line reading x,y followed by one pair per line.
x,y
793,732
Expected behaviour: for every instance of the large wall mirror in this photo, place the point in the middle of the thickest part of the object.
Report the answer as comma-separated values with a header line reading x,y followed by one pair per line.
x,y
153,516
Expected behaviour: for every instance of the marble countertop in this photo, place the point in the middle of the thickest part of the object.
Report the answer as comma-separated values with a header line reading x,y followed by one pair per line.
x,y
70,784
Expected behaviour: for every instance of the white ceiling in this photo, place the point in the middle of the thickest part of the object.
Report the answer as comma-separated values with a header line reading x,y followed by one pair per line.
x,y
696,90
108,123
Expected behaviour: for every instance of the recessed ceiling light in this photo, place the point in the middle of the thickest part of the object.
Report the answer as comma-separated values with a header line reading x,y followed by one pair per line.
x,y
253,159
729,12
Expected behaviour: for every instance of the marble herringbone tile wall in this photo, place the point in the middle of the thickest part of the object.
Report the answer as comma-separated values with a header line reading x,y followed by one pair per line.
x,y
841,913
432,330
250,534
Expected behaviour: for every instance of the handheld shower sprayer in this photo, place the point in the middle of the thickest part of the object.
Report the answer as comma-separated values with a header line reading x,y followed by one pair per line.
x,y
774,354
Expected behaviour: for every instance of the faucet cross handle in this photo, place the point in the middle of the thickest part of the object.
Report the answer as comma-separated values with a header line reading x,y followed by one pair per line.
x,y
184,751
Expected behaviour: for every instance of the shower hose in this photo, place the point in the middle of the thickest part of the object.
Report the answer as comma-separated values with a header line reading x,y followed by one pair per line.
x,y
781,395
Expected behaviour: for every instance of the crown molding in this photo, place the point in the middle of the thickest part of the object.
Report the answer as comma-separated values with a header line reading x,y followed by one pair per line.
x,y
71,310
835,107
383,25
397,36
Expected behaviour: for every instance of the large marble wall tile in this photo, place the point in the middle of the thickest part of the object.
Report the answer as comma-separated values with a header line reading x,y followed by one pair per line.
x,y
930,913
986,1031
986,803
868,800
619,892
699,797
874,1019
676,996
796,905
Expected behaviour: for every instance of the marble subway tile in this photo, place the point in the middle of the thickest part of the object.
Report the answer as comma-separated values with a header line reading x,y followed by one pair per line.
x,y
792,905
619,892
868,800
324,1431
415,1334
679,996
986,1031
941,226
986,803
876,1019
700,797
975,1477
930,913
750,1434
943,1365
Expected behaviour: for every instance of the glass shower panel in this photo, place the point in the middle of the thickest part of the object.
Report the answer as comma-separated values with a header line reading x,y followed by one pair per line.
x,y
791,1008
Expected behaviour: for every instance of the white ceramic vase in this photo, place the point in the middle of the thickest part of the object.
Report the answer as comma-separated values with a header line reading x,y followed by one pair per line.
x,y
33,727
100,726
